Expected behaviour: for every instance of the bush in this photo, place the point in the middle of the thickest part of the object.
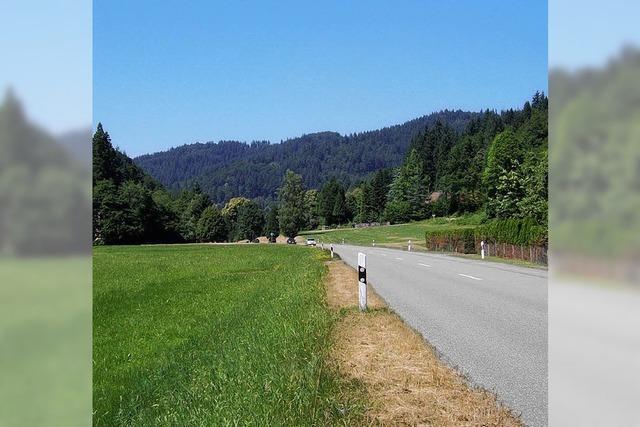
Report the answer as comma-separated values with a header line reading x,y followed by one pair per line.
x,y
522,232
452,240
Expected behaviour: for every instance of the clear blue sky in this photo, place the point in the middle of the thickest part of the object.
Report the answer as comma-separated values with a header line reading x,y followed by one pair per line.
x,y
174,72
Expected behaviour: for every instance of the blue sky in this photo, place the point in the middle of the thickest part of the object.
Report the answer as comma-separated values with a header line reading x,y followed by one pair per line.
x,y
590,32
46,59
169,73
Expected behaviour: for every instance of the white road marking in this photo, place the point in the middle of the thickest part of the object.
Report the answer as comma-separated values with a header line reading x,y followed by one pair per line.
x,y
424,265
470,277
383,254
399,259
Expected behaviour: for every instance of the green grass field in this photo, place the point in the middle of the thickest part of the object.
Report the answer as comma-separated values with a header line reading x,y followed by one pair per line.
x,y
392,235
45,341
214,335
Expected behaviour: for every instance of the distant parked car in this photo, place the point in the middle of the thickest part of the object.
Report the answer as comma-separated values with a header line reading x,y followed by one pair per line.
x,y
311,242
256,240
272,238
291,241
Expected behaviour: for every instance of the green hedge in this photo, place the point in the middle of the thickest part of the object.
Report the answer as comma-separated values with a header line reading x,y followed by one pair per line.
x,y
451,238
521,232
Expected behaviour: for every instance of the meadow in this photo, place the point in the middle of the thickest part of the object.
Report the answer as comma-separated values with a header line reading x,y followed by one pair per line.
x,y
214,335
395,236
45,341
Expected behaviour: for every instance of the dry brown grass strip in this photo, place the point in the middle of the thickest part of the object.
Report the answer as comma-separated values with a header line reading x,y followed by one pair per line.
x,y
406,382
342,288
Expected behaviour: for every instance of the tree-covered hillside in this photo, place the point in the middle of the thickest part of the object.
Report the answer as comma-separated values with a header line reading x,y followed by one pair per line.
x,y
44,199
229,168
595,158
495,165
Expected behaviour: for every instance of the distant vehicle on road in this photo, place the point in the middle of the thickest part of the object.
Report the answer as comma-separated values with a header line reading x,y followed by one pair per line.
x,y
272,238
291,241
311,242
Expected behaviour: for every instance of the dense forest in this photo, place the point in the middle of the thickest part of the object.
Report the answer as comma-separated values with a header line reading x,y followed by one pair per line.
x,y
496,165
230,169
596,162
44,191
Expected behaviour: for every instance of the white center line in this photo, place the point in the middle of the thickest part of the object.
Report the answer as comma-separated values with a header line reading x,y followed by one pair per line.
x,y
470,277
424,265
399,259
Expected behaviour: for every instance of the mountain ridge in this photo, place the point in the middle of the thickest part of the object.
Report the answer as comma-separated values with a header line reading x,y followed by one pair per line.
x,y
228,169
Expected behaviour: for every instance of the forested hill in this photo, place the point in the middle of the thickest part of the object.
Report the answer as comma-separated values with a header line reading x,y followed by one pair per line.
x,y
229,168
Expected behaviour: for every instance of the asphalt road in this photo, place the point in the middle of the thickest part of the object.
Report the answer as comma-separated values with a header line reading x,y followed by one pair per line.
x,y
594,353
488,320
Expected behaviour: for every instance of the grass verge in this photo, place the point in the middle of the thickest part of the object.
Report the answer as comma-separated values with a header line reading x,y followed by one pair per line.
x,y
406,383
215,335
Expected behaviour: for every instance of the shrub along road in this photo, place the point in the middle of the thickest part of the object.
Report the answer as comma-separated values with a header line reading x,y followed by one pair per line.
x,y
488,320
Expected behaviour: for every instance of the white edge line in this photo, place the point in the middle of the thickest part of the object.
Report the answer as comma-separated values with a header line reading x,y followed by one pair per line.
x,y
470,277
424,265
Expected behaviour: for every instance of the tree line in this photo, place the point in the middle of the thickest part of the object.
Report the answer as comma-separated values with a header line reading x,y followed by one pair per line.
x,y
44,191
230,169
130,207
496,165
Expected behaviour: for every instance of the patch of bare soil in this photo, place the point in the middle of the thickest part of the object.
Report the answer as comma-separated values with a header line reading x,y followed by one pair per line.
x,y
406,382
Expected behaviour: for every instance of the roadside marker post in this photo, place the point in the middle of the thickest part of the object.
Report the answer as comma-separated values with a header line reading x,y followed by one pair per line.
x,y
362,281
332,251
343,240
482,249
409,248
374,243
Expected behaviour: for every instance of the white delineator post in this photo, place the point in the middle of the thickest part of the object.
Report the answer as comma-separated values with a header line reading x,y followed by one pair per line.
x,y
332,251
362,281
409,247
374,243
482,249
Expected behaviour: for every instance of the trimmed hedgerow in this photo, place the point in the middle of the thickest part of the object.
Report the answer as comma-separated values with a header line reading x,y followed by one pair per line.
x,y
515,231
451,239
521,232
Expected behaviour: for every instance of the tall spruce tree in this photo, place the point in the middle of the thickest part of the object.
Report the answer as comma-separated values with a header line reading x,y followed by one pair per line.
x,y
291,210
408,194
250,221
272,224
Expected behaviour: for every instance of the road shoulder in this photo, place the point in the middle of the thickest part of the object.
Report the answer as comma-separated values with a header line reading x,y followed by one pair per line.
x,y
405,381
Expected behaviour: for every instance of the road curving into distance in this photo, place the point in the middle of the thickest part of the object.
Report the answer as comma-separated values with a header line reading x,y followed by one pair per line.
x,y
489,320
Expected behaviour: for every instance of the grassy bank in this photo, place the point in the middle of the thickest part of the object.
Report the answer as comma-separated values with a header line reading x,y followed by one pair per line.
x,y
391,235
213,335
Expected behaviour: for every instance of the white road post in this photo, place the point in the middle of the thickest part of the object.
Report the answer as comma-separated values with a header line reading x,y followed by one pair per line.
x,y
332,251
343,240
482,249
374,243
362,281
409,248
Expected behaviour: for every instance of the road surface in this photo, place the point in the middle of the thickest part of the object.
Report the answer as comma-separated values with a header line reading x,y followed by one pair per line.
x,y
594,353
488,320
